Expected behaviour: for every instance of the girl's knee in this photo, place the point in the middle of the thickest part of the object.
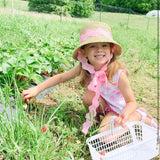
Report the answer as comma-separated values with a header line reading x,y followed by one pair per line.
x,y
87,97
135,116
105,124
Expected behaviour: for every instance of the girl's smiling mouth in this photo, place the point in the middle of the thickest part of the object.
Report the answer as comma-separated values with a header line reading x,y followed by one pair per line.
x,y
99,56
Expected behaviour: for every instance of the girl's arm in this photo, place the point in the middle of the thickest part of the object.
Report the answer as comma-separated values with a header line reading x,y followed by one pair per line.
x,y
34,91
59,78
130,100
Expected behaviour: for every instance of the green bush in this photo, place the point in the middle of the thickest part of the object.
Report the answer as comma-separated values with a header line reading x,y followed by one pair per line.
x,y
40,6
81,8
141,6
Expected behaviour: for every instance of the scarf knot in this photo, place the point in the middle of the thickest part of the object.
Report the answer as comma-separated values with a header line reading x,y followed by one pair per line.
x,y
98,77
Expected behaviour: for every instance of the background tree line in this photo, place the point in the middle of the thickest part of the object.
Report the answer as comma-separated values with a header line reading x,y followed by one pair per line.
x,y
85,8
140,6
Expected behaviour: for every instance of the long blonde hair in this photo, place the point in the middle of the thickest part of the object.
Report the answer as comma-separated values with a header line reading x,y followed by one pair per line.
x,y
112,68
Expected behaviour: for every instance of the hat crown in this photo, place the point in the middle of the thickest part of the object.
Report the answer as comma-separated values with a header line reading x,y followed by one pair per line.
x,y
95,32
94,26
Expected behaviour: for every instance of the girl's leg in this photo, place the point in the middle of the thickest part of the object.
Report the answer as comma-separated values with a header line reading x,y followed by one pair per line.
x,y
87,97
104,125
146,118
87,101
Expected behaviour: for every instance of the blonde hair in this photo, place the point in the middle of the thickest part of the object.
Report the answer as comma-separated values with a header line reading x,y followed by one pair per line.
x,y
112,68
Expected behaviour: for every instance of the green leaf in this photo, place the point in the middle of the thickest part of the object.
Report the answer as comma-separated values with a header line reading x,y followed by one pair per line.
x,y
49,68
36,78
29,60
5,67
12,61
57,58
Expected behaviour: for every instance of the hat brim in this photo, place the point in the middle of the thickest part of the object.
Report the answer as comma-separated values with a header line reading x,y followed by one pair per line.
x,y
98,39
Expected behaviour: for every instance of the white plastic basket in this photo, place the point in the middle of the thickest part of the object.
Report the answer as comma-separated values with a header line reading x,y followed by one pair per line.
x,y
138,142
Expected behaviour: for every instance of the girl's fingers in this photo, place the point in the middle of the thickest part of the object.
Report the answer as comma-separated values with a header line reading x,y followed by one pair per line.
x,y
26,95
30,94
123,124
120,122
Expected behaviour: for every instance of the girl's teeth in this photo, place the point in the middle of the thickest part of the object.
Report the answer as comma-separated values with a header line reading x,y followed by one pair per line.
x,y
99,56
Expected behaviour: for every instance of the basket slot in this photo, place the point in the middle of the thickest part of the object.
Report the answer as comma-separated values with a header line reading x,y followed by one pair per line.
x,y
138,132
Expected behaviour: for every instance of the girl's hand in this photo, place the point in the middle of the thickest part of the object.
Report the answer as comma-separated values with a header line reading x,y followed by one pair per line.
x,y
122,118
30,93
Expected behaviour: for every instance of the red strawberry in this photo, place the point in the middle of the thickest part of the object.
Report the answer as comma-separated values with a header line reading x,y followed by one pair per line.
x,y
68,141
44,128
44,73
23,78
27,100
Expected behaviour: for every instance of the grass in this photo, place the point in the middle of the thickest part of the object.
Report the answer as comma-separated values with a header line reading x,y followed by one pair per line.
x,y
23,139
17,5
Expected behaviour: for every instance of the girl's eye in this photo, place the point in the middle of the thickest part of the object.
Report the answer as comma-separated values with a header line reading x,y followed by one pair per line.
x,y
104,45
92,46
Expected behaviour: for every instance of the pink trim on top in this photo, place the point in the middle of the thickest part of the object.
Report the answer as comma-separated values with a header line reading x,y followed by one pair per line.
x,y
124,71
93,33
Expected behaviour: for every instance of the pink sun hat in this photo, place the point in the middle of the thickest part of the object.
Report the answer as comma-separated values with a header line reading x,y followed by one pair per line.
x,y
97,32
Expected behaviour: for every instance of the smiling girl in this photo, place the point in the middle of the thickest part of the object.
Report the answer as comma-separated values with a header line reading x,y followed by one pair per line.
x,y
109,92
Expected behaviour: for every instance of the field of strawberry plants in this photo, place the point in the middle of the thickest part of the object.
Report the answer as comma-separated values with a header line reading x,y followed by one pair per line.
x,y
27,51
33,46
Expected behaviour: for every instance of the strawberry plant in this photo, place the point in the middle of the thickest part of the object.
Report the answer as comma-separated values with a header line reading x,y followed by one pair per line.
x,y
38,57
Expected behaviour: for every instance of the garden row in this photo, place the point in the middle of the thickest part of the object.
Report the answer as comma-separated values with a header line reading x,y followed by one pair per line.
x,y
37,57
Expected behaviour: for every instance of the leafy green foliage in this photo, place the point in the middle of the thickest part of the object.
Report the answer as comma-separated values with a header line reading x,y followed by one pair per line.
x,y
83,8
34,55
141,6
80,8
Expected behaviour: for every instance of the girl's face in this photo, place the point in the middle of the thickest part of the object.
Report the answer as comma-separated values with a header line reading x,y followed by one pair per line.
x,y
98,54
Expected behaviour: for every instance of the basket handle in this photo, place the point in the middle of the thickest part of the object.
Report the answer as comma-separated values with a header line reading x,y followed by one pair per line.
x,y
128,125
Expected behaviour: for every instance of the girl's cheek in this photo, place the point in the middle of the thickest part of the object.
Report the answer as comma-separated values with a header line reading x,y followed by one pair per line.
x,y
83,52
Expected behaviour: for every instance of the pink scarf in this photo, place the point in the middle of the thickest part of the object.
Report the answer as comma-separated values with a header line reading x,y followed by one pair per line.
x,y
99,79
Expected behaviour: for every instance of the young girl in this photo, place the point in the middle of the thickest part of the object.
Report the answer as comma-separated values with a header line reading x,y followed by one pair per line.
x,y
109,92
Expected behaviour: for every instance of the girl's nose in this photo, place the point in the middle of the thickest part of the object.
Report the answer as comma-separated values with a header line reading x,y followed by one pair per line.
x,y
99,48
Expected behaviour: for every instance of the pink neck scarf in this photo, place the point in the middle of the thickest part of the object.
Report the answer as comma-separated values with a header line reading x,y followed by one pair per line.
x,y
99,79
